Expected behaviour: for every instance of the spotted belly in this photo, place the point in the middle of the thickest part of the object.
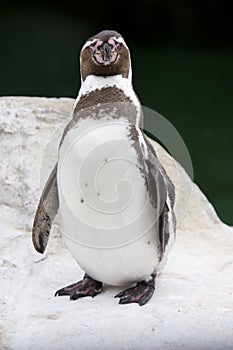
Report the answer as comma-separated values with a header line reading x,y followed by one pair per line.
x,y
107,220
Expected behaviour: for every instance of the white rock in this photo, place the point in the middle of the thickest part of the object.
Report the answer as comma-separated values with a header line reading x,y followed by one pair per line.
x,y
193,304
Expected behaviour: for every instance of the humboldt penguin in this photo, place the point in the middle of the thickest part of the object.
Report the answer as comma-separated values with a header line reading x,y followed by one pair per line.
x,y
115,200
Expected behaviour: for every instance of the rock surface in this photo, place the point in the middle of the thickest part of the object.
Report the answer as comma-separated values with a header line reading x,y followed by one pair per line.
x,y
193,304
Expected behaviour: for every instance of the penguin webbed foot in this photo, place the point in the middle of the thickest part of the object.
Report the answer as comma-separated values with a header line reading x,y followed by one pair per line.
x,y
86,287
141,293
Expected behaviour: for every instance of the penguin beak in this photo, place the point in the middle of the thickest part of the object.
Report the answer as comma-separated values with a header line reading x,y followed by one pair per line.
x,y
105,52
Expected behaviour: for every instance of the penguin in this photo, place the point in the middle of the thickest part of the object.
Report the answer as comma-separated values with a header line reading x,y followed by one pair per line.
x,y
115,199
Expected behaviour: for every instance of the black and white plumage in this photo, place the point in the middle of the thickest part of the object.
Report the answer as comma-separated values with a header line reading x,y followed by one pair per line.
x,y
115,199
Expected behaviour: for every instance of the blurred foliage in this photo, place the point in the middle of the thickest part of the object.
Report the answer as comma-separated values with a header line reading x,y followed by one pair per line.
x,y
182,54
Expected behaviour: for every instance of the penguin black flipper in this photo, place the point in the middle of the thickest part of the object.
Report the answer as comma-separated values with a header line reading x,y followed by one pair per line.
x,y
162,198
46,212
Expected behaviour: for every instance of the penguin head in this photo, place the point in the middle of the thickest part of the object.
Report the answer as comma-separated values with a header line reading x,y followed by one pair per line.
x,y
105,54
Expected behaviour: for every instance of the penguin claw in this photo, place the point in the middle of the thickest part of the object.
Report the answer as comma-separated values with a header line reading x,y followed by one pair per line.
x,y
86,287
141,293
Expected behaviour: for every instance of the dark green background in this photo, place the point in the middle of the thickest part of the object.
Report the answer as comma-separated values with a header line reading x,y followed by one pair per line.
x,y
182,54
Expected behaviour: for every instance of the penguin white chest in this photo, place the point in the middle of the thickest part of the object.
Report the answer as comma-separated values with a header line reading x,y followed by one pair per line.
x,y
107,220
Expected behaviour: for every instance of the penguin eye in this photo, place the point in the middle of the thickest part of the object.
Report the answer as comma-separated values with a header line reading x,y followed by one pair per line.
x,y
118,46
115,44
94,46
